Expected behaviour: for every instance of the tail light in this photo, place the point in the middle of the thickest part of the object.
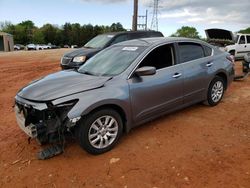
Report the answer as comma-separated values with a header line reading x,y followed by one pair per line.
x,y
231,58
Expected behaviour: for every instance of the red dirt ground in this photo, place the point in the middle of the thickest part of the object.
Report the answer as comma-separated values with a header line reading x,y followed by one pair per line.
x,y
196,147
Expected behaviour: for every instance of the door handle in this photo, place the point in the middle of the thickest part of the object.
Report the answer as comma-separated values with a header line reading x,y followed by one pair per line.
x,y
177,75
209,64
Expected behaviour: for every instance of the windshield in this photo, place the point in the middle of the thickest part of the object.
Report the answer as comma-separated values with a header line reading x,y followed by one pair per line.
x,y
111,61
99,41
237,38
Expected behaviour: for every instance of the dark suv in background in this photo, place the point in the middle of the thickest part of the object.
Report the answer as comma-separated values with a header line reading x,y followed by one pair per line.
x,y
78,57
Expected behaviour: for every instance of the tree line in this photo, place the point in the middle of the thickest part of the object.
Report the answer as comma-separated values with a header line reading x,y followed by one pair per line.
x,y
74,34
68,34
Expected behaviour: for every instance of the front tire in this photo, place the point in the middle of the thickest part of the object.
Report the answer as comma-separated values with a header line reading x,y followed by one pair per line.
x,y
215,91
100,131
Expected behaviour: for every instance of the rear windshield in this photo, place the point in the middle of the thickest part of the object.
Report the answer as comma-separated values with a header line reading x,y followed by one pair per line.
x,y
99,41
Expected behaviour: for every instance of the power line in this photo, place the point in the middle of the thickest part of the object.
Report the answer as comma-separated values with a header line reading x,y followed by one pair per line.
x,y
154,22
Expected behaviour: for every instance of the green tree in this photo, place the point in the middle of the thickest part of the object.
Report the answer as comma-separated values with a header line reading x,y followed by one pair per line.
x,y
38,37
26,29
245,31
117,27
76,31
26,32
186,31
67,33
49,32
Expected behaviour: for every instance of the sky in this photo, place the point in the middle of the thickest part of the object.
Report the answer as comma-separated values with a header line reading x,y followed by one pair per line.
x,y
232,15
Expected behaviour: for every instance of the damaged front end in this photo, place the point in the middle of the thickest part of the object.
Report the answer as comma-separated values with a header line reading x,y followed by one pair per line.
x,y
45,122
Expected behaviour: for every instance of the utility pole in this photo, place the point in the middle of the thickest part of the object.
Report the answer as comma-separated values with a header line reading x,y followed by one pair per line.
x,y
135,16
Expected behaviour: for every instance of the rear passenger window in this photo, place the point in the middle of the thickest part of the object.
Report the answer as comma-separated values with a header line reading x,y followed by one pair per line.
x,y
248,39
207,50
190,51
137,35
120,38
155,34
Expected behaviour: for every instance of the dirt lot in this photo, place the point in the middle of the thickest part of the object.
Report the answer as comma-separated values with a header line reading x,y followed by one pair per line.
x,y
196,147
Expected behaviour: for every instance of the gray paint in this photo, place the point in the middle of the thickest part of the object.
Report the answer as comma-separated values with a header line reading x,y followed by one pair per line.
x,y
141,98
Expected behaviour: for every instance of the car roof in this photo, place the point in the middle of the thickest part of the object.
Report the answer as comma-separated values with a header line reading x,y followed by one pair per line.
x,y
128,32
154,41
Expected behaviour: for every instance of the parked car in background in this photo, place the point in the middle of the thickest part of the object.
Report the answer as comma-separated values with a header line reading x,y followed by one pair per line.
x,y
19,47
241,46
52,46
121,87
74,46
237,45
77,58
31,47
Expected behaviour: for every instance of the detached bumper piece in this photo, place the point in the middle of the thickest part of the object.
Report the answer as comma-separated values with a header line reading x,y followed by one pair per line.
x,y
47,126
50,152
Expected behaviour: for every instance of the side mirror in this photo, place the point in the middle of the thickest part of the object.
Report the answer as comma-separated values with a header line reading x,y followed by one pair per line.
x,y
145,71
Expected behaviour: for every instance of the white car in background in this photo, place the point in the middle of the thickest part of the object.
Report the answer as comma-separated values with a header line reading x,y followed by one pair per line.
x,y
42,47
237,45
31,47
241,46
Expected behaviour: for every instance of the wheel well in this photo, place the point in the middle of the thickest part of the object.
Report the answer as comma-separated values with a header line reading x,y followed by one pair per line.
x,y
232,52
117,109
224,77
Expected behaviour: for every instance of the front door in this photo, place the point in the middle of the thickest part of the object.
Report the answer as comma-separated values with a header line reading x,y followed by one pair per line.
x,y
241,47
159,93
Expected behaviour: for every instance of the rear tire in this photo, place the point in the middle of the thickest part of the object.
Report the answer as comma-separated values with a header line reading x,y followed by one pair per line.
x,y
216,91
100,131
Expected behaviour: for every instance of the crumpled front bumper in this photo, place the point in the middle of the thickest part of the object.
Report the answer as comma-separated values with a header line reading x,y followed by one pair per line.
x,y
30,129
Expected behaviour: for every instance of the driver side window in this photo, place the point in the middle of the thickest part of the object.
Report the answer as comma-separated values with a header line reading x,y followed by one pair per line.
x,y
160,57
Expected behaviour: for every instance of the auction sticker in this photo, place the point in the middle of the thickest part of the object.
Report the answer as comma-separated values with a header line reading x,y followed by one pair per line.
x,y
130,48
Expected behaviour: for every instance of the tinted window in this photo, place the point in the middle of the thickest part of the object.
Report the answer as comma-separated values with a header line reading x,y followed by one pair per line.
x,y
248,39
160,57
242,40
155,34
137,35
99,41
190,51
120,38
207,50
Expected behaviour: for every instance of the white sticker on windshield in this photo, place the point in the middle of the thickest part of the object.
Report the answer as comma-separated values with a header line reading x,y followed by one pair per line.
x,y
130,48
110,36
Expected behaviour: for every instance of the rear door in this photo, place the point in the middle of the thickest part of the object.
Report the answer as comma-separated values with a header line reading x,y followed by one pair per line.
x,y
159,93
196,67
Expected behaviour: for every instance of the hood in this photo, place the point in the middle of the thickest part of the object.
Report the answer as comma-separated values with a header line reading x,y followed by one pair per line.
x,y
89,52
60,84
219,34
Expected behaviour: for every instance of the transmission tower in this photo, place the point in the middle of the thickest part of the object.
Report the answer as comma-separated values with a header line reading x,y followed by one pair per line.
x,y
154,22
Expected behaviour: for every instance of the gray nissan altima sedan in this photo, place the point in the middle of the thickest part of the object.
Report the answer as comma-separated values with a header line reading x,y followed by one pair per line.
x,y
122,87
